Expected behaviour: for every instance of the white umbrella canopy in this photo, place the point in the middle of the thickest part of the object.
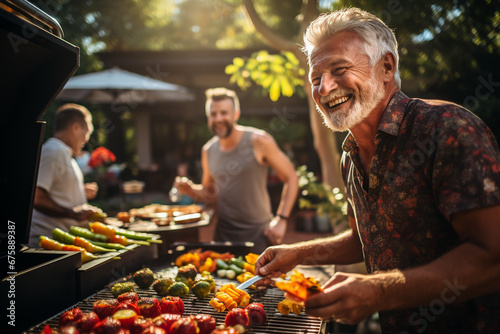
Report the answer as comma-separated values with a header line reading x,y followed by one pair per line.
x,y
120,86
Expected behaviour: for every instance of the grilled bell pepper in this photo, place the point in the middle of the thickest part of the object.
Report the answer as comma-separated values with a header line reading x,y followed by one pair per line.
x,y
87,234
122,240
101,228
113,236
70,239
50,244
109,245
137,235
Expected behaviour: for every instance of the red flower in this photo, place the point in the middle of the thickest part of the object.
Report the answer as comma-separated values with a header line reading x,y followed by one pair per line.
x,y
101,156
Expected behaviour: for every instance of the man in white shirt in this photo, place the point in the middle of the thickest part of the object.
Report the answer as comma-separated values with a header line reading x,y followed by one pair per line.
x,y
60,188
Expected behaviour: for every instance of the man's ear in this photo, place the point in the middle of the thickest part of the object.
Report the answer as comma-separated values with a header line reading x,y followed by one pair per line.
x,y
75,126
237,114
389,66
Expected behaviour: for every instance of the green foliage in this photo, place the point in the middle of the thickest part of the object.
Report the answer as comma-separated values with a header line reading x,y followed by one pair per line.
x,y
279,74
320,196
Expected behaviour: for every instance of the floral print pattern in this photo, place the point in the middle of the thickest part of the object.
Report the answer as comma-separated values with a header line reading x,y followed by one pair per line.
x,y
432,159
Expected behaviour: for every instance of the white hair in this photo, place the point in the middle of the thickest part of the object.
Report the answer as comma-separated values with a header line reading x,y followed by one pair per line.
x,y
379,38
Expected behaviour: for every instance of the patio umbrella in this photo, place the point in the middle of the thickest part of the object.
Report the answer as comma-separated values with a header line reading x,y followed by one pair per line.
x,y
118,86
122,90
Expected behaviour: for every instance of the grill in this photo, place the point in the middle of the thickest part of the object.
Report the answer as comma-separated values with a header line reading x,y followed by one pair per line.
x,y
276,322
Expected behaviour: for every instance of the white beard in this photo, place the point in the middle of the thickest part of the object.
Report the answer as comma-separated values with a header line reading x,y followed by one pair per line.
x,y
362,105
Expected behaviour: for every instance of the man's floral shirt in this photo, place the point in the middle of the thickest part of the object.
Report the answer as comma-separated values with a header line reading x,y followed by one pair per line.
x,y
433,159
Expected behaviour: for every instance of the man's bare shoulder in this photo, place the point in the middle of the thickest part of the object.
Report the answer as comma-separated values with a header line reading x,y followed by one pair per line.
x,y
209,143
259,136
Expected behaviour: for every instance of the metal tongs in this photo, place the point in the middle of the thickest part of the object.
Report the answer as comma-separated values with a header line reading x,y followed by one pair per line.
x,y
249,282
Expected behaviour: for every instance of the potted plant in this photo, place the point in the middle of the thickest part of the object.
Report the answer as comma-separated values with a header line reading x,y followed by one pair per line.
x,y
326,206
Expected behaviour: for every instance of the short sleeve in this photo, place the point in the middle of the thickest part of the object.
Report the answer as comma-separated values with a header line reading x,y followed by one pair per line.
x,y
49,161
466,169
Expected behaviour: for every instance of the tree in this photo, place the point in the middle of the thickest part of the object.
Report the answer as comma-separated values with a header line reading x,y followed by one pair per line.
x,y
448,50
324,140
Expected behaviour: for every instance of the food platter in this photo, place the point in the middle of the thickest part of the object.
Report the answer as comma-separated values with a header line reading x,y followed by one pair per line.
x,y
159,217
153,216
167,214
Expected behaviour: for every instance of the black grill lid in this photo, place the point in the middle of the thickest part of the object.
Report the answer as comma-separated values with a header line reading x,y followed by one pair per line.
x,y
35,66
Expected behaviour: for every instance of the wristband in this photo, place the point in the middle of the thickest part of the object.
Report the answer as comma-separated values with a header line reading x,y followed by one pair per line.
x,y
283,217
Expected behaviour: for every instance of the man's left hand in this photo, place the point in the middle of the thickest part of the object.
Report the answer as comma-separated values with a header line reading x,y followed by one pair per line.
x,y
275,232
91,189
346,298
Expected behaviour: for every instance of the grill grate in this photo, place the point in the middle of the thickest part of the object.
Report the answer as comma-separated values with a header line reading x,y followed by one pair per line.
x,y
276,322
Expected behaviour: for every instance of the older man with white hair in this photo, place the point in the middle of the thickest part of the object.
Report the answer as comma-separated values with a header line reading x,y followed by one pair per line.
x,y
423,188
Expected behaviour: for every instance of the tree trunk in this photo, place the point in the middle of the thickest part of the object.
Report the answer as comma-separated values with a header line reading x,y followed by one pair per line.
x,y
325,144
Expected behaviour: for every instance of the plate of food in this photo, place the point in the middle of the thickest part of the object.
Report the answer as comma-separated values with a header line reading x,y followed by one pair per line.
x,y
161,214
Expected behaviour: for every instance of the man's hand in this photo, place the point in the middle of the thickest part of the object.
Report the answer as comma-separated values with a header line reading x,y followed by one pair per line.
x,y
82,215
346,298
275,232
277,260
91,189
183,184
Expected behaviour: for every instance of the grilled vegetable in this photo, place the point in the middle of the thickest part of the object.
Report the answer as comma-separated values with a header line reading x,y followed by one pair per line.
x,y
237,270
226,299
104,307
172,305
201,289
126,317
150,307
70,317
300,286
286,306
98,216
165,320
187,274
245,277
188,271
107,325
239,296
236,316
149,237
184,325
132,297
70,239
206,323
178,289
206,276
50,244
230,274
87,234
103,229
144,278
251,258
256,314
162,285
122,287
221,264
109,245
238,262
120,239
217,304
